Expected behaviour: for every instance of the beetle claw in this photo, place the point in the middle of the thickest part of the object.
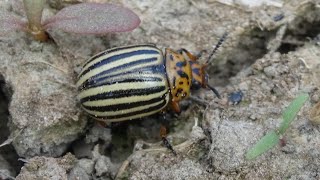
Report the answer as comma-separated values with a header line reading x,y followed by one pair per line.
x,y
214,90
167,144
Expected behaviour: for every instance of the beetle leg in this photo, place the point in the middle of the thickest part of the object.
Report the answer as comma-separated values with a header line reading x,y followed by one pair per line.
x,y
200,53
166,143
214,90
102,123
175,106
191,56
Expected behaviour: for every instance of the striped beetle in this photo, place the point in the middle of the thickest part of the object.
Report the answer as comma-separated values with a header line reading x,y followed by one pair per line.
x,y
131,82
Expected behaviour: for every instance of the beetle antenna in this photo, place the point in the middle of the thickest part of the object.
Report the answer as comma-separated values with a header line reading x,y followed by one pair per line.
x,y
223,37
214,90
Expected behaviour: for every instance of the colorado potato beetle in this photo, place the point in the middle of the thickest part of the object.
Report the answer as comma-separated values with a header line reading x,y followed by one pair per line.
x,y
131,82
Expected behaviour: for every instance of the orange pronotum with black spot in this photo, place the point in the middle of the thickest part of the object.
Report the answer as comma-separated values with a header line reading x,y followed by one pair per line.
x,y
183,74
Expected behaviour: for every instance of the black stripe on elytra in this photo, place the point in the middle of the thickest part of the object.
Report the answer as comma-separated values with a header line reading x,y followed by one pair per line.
x,y
128,115
123,93
152,69
117,58
123,106
107,81
117,49
126,65
183,74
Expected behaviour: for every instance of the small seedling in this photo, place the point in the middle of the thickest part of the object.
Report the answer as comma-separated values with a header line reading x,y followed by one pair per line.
x,y
83,18
272,138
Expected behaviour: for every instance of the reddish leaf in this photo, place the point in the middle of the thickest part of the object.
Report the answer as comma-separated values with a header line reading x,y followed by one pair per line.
x,y
93,18
9,23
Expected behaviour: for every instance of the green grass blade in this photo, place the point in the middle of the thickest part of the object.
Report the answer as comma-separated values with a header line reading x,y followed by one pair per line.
x,y
290,113
263,145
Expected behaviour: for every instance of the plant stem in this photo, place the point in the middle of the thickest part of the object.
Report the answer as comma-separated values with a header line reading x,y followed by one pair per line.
x,y
34,10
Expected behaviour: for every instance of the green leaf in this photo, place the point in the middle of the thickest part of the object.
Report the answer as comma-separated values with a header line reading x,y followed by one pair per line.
x,y
272,138
263,145
290,113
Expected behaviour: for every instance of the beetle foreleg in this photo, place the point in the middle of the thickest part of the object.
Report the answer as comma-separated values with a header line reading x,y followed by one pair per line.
x,y
166,143
175,106
189,54
214,91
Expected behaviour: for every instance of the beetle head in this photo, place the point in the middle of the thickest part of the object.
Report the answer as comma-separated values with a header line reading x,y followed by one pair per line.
x,y
200,77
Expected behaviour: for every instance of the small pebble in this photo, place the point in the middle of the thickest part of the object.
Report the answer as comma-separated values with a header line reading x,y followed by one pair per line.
x,y
235,97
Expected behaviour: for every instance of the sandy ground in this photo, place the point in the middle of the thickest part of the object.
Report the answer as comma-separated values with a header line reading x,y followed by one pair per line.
x,y
271,55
